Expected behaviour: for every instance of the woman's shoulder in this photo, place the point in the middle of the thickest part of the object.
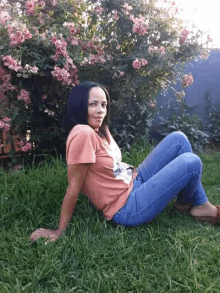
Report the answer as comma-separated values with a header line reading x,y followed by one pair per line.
x,y
81,128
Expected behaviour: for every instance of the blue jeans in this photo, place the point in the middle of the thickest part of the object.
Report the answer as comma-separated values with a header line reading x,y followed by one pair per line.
x,y
170,170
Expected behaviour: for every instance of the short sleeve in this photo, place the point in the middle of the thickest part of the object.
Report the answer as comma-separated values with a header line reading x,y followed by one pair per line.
x,y
81,146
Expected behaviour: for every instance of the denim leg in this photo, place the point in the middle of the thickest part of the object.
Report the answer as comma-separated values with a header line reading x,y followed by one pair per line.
x,y
172,146
170,170
149,198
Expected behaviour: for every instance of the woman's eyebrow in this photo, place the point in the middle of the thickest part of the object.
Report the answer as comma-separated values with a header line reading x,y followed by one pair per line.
x,y
98,101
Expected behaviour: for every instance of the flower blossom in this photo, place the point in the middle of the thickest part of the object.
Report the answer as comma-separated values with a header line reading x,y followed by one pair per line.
x,y
18,33
6,119
4,17
144,62
2,124
32,69
60,49
99,9
162,50
136,64
30,7
70,26
152,104
26,147
187,80
154,49
7,126
41,4
54,2
68,74
6,78
25,96
180,96
127,8
12,63
75,42
140,25
115,15
183,36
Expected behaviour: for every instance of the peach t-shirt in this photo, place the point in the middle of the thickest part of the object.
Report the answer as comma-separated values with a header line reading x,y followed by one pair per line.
x,y
108,181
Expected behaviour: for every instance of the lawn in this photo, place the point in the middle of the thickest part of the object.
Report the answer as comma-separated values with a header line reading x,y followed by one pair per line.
x,y
174,253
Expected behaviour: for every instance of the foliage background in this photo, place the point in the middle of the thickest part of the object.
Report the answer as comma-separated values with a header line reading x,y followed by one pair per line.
x,y
105,41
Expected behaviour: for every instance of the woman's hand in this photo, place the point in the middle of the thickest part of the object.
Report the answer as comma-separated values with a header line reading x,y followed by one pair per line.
x,y
50,235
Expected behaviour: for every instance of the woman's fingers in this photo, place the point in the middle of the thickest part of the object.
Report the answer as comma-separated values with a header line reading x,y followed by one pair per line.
x,y
39,233
51,235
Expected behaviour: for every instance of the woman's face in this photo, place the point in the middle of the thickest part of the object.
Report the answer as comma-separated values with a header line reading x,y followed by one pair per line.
x,y
97,107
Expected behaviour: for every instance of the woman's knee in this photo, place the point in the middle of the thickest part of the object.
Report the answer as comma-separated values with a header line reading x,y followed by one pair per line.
x,y
178,135
192,161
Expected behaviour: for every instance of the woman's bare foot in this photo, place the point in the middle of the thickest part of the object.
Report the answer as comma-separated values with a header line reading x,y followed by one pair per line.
x,y
204,210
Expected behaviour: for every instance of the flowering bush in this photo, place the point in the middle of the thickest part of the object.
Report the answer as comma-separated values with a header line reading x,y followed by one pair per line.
x,y
48,47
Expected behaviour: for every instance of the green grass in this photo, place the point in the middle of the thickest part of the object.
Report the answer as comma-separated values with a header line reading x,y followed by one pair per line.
x,y
172,254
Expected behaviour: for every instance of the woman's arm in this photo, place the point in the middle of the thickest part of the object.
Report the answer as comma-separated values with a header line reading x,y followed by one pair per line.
x,y
76,177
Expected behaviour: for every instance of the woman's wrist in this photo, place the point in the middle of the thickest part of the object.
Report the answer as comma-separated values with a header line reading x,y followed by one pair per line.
x,y
61,231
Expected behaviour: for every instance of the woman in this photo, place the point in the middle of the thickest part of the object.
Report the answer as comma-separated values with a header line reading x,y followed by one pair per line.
x,y
126,196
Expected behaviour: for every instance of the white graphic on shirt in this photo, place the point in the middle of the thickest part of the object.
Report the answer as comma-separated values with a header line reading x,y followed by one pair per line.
x,y
121,170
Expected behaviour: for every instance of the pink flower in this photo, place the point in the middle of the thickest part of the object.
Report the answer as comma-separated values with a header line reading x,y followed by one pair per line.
x,y
41,4
140,25
2,124
44,97
6,127
99,9
74,42
121,73
70,26
6,119
152,104
118,46
31,69
144,62
21,143
183,36
162,50
25,96
12,63
4,17
35,30
26,147
30,6
127,8
136,64
180,96
34,69
151,49
187,80
43,36
115,15
53,2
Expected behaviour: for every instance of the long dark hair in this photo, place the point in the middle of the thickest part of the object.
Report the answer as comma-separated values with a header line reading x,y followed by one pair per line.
x,y
76,110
